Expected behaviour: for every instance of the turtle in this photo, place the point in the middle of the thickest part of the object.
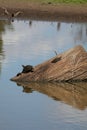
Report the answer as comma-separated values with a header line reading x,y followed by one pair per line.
x,y
27,68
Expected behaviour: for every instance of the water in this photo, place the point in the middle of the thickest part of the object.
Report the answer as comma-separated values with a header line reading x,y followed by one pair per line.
x,y
39,106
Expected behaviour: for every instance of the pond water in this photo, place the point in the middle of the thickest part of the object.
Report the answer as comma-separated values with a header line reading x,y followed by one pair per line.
x,y
39,106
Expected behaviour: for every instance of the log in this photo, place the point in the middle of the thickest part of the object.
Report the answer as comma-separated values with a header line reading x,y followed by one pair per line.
x,y
69,66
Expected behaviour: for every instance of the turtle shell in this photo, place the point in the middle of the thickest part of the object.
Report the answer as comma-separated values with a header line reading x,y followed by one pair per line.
x,y
27,68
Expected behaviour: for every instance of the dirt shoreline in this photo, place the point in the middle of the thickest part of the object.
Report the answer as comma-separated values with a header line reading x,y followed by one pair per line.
x,y
47,11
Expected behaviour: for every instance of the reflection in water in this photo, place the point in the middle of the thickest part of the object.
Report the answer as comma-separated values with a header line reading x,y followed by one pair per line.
x,y
2,29
25,89
1,52
30,23
3,24
74,94
79,31
58,26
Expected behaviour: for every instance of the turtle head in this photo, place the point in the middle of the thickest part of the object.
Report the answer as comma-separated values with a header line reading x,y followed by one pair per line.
x,y
23,66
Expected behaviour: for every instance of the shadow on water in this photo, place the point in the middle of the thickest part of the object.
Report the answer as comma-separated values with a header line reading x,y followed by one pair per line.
x,y
74,94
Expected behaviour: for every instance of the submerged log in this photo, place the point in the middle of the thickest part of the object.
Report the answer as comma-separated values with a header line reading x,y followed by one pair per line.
x,y
68,66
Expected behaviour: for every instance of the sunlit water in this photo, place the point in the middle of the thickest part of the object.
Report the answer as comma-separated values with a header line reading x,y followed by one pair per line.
x,y
32,42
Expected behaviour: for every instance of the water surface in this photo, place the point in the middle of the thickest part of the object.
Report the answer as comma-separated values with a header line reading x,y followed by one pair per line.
x,y
33,106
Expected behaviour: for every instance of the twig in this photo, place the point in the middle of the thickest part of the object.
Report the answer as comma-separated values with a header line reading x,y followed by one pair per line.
x,y
55,52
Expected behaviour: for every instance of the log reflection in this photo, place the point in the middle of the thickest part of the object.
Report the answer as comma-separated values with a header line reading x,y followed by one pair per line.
x,y
74,94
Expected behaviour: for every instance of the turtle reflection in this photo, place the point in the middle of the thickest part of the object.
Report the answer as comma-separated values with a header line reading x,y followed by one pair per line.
x,y
25,89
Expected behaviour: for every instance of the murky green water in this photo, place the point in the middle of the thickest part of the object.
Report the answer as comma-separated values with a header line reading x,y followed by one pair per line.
x,y
39,106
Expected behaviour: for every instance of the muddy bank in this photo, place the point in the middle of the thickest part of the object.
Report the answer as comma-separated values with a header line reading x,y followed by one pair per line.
x,y
46,11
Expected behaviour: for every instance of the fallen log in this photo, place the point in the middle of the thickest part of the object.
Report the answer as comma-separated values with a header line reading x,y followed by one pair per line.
x,y
66,67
